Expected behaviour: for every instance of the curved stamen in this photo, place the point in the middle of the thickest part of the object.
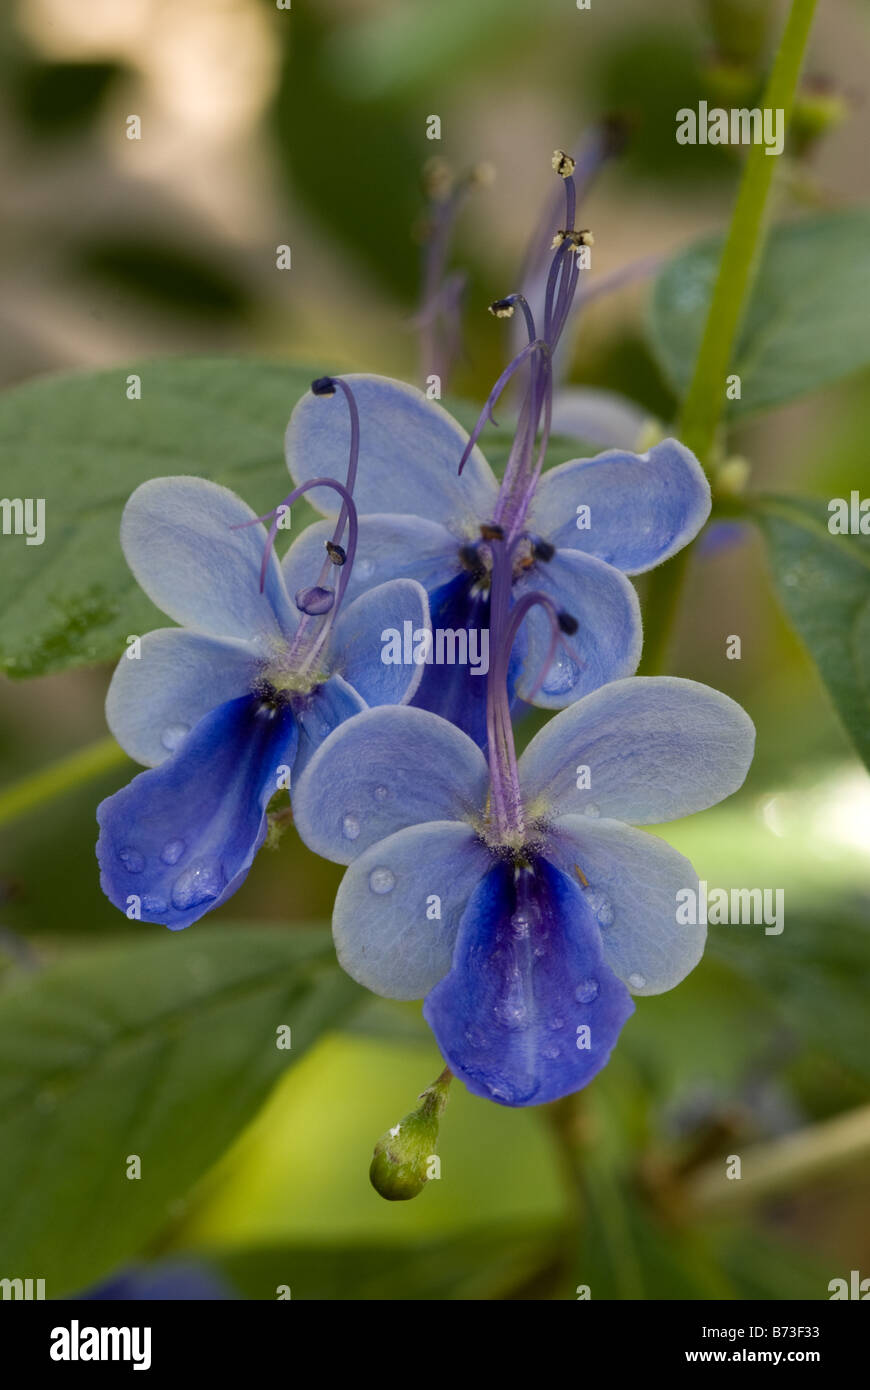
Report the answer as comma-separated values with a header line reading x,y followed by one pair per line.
x,y
275,513
538,345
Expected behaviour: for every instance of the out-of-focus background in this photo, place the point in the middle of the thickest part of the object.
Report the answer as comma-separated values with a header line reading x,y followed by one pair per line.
x,y
307,127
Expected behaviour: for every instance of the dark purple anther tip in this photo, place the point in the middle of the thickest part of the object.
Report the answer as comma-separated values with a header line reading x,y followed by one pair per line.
x,y
490,531
315,601
542,550
567,623
336,553
323,386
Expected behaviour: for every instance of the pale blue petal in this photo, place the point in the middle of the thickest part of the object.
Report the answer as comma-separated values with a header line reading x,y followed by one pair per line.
x,y
388,621
155,700
633,881
389,547
607,643
178,537
321,712
643,507
657,747
410,451
383,770
399,905
597,417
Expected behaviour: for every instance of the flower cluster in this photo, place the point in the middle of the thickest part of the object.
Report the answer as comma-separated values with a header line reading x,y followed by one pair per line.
x,y
513,894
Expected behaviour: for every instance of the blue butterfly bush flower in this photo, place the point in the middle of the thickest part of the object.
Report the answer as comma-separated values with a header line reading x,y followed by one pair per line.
x,y
228,708
430,504
515,895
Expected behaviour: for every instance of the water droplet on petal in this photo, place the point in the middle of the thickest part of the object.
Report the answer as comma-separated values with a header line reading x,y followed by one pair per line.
x,y
152,904
201,882
557,1023
381,793
592,810
552,1053
601,906
587,991
350,827
476,1038
562,675
363,568
133,861
315,600
382,880
172,851
173,736
521,923
636,981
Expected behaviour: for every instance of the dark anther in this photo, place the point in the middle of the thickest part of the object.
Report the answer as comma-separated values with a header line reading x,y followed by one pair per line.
x,y
491,532
501,308
323,386
568,624
336,553
543,550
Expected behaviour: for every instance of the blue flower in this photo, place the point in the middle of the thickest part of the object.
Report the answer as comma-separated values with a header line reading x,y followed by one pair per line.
x,y
421,520
228,708
527,910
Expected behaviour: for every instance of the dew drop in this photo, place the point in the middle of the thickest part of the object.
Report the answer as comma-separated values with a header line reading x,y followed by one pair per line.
x,y
561,676
475,1038
382,880
174,735
592,810
552,1053
636,981
602,907
133,861
587,991
172,851
556,1024
201,882
512,1014
521,924
381,793
363,568
152,904
350,827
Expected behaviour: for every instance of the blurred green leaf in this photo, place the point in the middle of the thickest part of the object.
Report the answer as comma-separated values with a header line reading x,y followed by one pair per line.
x,y
823,583
480,1265
808,322
163,1049
78,442
58,99
168,277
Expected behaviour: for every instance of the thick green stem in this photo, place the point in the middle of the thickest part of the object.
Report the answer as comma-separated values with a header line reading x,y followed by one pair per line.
x,y
704,404
39,787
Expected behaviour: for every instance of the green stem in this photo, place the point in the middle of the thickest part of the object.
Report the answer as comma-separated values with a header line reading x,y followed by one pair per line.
x,y
39,787
704,404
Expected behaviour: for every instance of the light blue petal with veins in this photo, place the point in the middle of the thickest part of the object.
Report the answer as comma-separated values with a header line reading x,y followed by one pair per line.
x,y
410,450
399,906
656,747
319,714
384,770
178,537
154,700
633,882
362,638
642,507
607,643
388,547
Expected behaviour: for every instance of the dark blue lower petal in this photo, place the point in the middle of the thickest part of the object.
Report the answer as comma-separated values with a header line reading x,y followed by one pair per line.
x,y
453,691
528,990
179,839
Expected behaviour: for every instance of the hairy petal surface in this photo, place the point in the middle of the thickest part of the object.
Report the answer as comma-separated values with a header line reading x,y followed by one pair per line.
x,y
383,770
528,990
633,884
643,507
154,700
607,644
398,908
653,748
410,449
180,838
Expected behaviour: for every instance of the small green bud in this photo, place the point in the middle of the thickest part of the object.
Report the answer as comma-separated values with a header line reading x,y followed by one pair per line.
x,y
818,109
402,1161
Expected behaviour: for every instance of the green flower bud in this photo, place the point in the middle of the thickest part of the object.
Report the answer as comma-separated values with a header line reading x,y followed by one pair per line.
x,y
402,1161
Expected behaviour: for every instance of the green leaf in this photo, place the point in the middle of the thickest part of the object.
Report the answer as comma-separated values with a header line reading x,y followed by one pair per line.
x,y
481,1265
808,321
78,442
164,1049
823,583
